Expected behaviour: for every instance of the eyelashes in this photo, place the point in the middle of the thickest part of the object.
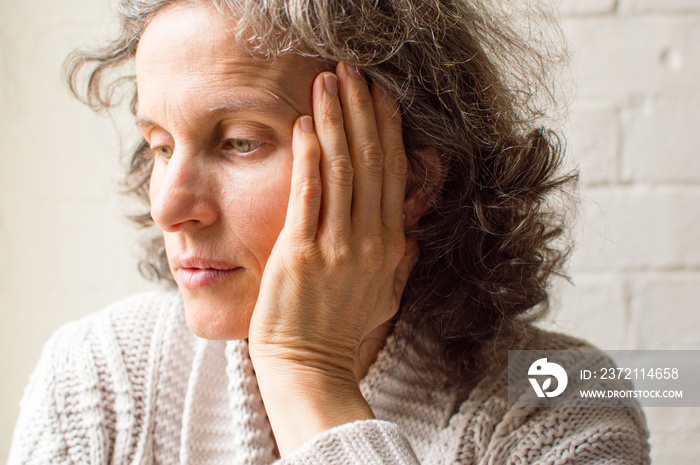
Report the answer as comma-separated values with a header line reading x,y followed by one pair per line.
x,y
242,147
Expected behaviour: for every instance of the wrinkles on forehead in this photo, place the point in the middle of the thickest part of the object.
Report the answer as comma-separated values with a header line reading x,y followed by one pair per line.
x,y
188,53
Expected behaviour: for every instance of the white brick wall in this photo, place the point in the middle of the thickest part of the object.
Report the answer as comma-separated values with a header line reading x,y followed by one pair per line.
x,y
659,6
634,134
639,228
618,58
661,308
658,148
593,143
633,131
586,7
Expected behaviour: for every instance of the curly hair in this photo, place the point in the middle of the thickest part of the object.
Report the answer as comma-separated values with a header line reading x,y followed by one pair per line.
x,y
474,85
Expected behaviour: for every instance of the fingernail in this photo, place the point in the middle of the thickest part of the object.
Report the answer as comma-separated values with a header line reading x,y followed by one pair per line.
x,y
330,82
307,124
354,71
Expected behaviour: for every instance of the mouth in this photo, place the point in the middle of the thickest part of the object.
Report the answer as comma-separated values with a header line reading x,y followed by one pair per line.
x,y
194,273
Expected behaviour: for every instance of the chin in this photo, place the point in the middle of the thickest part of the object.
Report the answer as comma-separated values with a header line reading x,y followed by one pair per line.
x,y
218,318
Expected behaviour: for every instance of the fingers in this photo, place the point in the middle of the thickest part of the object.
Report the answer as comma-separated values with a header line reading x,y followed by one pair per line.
x,y
363,163
364,145
336,166
388,120
306,191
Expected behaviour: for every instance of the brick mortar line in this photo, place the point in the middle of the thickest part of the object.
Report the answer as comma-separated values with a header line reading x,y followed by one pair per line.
x,y
666,275
627,302
600,14
637,276
628,185
620,136
693,271
665,270
619,15
652,12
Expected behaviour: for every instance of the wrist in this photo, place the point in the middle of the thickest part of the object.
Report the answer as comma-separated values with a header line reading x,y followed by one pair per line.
x,y
303,400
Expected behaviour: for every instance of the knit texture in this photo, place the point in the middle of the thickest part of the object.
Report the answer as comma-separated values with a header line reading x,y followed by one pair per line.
x,y
132,384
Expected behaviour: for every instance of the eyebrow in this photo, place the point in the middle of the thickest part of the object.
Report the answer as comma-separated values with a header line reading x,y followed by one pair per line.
x,y
239,104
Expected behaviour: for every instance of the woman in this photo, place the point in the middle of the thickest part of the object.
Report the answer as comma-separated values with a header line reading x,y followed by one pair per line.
x,y
352,260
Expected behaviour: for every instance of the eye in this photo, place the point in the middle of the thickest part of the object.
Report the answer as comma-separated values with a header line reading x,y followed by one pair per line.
x,y
163,151
241,145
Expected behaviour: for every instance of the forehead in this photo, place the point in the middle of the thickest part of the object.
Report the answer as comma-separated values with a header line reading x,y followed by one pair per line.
x,y
188,53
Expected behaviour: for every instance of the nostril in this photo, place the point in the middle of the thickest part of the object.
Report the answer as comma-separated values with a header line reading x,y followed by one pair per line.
x,y
174,227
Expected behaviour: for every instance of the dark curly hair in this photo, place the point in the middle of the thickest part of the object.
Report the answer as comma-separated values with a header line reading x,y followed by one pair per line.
x,y
473,80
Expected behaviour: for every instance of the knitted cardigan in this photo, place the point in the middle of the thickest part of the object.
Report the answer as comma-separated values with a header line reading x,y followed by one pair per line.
x,y
132,384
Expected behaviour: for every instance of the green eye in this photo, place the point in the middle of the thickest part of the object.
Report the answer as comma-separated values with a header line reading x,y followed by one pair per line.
x,y
241,145
164,151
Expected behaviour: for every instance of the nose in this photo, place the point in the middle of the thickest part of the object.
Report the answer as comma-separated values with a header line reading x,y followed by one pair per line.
x,y
182,193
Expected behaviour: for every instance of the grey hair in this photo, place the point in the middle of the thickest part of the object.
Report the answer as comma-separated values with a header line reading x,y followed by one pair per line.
x,y
474,80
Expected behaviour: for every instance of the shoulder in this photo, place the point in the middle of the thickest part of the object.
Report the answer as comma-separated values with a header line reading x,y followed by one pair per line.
x,y
544,434
94,381
128,321
539,339
118,348
130,311
103,347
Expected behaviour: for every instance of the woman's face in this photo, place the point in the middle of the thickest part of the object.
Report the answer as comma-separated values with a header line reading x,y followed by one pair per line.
x,y
219,123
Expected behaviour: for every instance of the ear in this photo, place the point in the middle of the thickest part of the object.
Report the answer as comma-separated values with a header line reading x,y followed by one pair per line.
x,y
426,175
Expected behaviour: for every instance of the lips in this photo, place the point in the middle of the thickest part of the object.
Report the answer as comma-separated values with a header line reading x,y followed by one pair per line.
x,y
196,273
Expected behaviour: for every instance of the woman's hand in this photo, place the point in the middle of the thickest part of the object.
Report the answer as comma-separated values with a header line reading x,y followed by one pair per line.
x,y
340,264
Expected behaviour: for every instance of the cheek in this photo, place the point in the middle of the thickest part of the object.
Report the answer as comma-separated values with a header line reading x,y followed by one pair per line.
x,y
259,203
155,181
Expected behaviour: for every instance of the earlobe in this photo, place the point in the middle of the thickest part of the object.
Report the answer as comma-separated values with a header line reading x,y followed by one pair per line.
x,y
426,177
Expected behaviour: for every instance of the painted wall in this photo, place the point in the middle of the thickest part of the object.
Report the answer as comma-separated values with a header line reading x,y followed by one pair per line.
x,y
633,132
